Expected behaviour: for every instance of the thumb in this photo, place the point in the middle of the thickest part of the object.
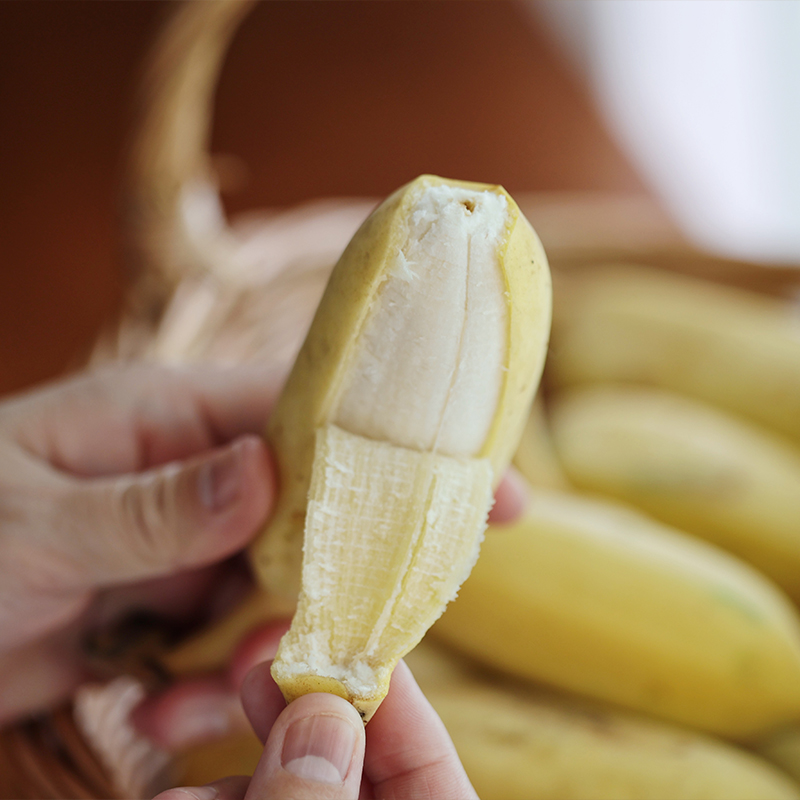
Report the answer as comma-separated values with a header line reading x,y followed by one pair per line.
x,y
315,750
181,515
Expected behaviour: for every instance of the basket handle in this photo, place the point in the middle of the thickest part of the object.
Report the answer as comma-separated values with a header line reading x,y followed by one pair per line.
x,y
172,206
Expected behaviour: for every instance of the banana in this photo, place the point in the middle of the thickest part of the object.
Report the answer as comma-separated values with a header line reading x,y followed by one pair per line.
x,y
690,465
782,748
736,349
404,407
596,598
519,741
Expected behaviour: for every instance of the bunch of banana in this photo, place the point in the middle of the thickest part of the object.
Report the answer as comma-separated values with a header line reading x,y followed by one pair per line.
x,y
736,349
520,742
404,407
599,599
689,464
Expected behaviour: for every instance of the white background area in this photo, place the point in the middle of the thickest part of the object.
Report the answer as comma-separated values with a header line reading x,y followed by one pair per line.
x,y
704,96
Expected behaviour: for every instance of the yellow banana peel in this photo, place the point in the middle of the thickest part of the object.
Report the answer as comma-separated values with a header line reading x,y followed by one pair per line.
x,y
596,598
691,465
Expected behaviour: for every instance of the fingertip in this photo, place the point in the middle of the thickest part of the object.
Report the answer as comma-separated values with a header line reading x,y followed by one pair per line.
x,y
262,700
256,479
410,752
190,712
509,498
315,749
235,491
257,646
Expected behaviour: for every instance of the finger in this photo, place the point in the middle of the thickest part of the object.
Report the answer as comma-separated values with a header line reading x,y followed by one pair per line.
x,y
509,499
210,706
233,788
409,752
258,646
120,420
315,750
172,518
194,711
262,699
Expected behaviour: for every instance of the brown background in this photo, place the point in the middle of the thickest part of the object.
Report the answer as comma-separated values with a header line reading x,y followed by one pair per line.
x,y
316,98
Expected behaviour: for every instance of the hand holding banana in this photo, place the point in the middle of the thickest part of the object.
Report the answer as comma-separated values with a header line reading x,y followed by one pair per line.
x,y
388,418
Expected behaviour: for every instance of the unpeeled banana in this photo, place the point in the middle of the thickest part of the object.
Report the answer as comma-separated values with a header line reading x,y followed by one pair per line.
x,y
522,742
404,407
596,598
689,464
734,348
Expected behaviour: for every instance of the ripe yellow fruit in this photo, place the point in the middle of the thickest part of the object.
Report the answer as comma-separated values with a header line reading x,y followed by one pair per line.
x,y
596,598
691,465
736,349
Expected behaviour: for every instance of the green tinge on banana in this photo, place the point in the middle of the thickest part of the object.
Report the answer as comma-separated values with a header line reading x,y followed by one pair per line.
x,y
404,407
736,349
599,599
691,465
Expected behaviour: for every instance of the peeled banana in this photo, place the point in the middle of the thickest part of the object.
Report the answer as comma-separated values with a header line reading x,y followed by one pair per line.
x,y
691,465
596,598
736,349
404,407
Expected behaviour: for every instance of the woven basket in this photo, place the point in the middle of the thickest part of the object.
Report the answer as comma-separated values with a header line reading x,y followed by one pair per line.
x,y
206,291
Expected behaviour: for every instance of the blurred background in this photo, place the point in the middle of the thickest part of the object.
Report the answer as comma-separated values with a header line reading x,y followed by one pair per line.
x,y
690,106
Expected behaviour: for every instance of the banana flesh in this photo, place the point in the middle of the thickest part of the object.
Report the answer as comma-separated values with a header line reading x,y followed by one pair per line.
x,y
405,405
691,465
596,598
733,348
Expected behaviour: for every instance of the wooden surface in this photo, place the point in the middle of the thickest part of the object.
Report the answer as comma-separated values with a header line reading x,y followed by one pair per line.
x,y
317,98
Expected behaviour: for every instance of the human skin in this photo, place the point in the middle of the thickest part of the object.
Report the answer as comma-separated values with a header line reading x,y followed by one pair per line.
x,y
136,488
318,747
124,488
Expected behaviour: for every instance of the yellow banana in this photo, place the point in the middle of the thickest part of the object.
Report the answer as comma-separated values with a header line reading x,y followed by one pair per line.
x,y
782,748
736,349
404,407
520,742
599,599
691,465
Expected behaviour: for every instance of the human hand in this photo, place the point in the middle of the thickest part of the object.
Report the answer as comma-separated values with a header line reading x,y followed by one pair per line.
x,y
109,482
318,748
205,707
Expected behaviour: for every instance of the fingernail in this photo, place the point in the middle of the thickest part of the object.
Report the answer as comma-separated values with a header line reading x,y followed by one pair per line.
x,y
319,748
219,480
201,792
